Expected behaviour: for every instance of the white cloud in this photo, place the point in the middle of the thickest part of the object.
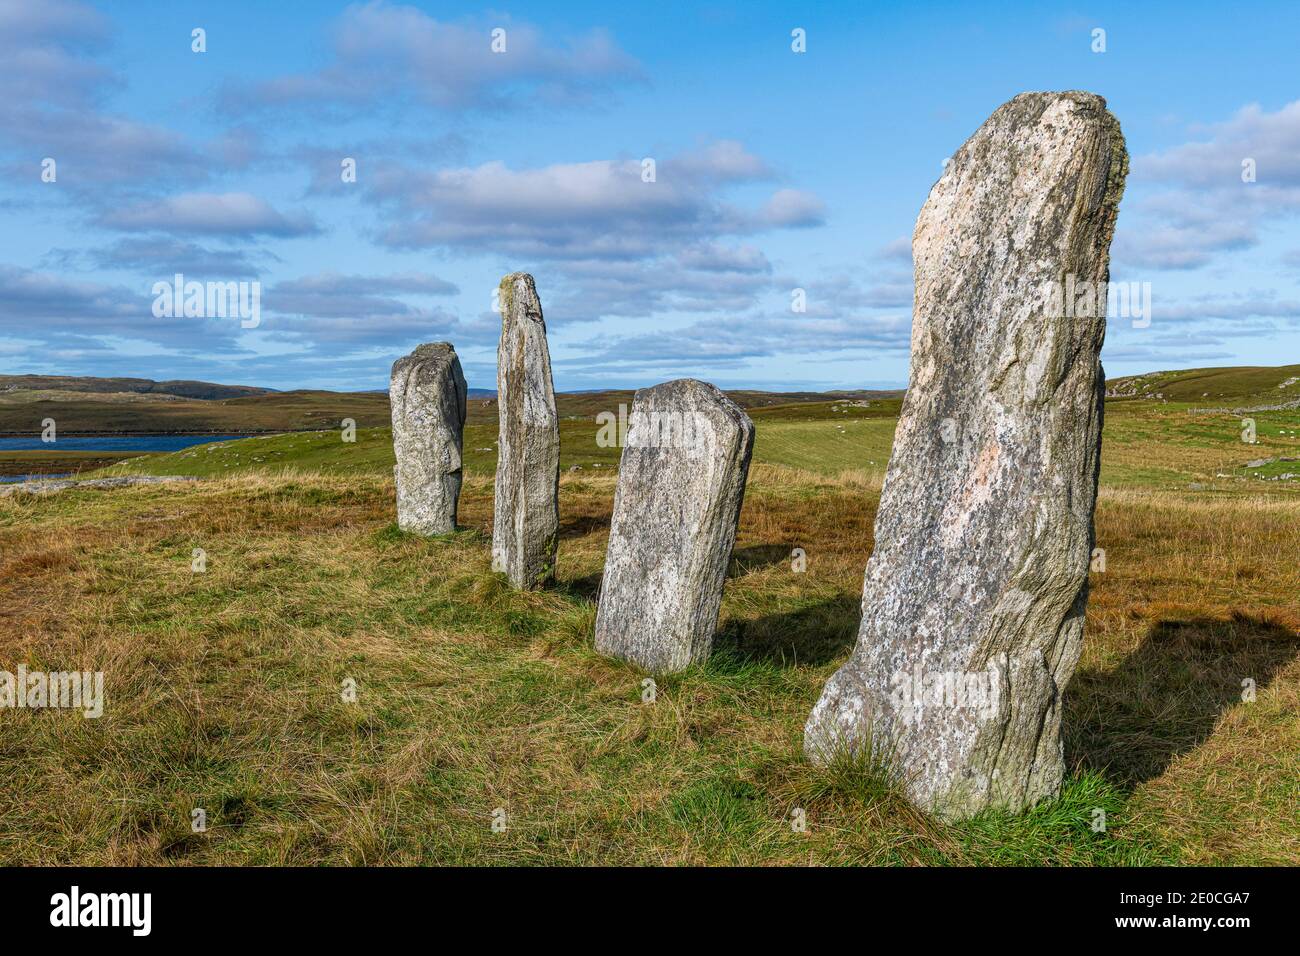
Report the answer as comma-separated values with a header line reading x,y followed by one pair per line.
x,y
336,296
228,214
385,54
1272,140
715,257
595,209
793,207
1189,204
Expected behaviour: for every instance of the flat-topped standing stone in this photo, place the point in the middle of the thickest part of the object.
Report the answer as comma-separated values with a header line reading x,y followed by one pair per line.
x,y
681,482
427,395
974,598
527,519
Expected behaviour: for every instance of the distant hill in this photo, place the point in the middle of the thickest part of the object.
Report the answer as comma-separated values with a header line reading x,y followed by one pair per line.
x,y
1244,385
125,405
138,405
246,411
144,386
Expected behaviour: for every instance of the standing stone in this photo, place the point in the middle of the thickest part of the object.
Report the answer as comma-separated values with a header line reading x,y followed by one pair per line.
x,y
427,395
974,598
527,519
681,482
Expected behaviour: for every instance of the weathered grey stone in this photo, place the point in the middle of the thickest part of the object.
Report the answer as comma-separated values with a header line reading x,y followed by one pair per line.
x,y
978,583
41,486
427,395
681,482
527,519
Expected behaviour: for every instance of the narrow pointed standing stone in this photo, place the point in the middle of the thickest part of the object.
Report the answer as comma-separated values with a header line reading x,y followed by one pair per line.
x,y
681,482
527,518
974,598
427,395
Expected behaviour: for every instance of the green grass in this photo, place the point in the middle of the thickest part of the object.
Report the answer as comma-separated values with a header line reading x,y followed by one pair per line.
x,y
371,453
826,447
1169,447
822,446
1145,445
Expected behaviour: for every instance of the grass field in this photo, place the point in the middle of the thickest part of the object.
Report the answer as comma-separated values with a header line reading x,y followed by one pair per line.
x,y
58,463
224,688
107,406
1151,445
22,414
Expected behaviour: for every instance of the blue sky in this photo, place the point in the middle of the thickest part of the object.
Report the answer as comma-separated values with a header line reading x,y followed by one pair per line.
x,y
774,170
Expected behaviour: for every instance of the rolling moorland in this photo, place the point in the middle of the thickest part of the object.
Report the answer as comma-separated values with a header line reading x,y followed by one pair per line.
x,y
126,406
223,687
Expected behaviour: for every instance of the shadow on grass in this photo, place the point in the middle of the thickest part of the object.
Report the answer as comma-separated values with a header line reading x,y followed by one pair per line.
x,y
744,560
587,588
809,636
1164,699
579,526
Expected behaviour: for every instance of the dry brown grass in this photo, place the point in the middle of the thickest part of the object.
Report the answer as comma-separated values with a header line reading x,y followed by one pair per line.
x,y
223,688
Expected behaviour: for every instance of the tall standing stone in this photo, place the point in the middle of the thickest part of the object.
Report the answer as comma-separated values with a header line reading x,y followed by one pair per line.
x,y
681,482
527,519
974,598
427,394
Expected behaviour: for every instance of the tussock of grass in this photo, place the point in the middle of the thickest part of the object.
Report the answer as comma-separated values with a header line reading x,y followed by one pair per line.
x,y
1061,832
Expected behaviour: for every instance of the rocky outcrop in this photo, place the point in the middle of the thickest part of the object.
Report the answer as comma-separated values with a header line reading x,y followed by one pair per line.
x,y
38,486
